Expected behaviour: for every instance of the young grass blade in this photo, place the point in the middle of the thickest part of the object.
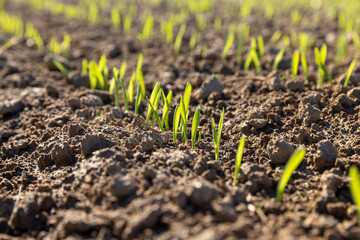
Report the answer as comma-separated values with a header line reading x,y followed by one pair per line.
x,y
294,161
238,159
248,59
139,75
195,124
115,85
355,188
187,95
227,47
61,68
130,91
138,99
156,105
304,65
84,66
176,121
240,49
153,96
178,39
167,104
156,115
261,47
183,120
278,58
350,69
256,62
199,137
220,126
125,97
295,63
318,62
214,132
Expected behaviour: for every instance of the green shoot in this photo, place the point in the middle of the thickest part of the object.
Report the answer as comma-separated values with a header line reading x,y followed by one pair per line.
x,y
227,47
304,66
355,187
341,49
84,66
278,59
192,42
156,115
294,161
217,134
61,68
217,25
238,159
147,29
184,116
115,84
350,69
138,99
178,39
127,24
295,63
8,44
320,59
115,17
176,122
139,74
248,59
260,41
199,137
152,101
131,87
275,37
169,33
195,124
286,41
167,104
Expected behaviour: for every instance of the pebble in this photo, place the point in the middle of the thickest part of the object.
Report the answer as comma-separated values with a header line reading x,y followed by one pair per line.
x,y
11,106
92,100
309,114
279,151
326,155
211,85
122,186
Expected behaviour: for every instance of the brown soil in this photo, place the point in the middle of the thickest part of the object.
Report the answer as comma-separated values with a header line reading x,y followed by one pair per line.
x,y
65,172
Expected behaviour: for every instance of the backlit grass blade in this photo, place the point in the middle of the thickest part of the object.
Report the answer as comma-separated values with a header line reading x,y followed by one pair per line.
x,y
61,68
139,74
195,124
130,91
183,120
220,126
228,45
350,69
153,96
84,66
248,60
178,39
176,121
261,47
167,105
355,188
304,66
294,161
156,115
238,159
278,58
295,64
187,95
116,86
138,99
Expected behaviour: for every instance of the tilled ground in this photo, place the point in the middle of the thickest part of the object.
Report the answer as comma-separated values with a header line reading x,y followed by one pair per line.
x,y
67,172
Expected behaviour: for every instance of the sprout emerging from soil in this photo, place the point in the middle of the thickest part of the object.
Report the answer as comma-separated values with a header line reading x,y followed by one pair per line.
x,y
238,159
127,24
294,161
320,59
304,66
138,99
341,49
147,29
227,47
62,68
194,129
295,64
217,25
349,71
275,37
139,74
167,104
98,74
240,46
217,134
278,58
260,41
115,18
193,39
119,79
182,113
355,188
153,101
252,57
178,39
84,66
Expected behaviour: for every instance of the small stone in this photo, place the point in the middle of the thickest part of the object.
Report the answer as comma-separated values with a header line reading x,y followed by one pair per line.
x,y
74,102
79,79
211,85
326,155
62,154
52,91
258,123
354,93
117,113
73,129
147,143
122,186
201,193
309,114
343,100
313,99
92,100
296,84
11,106
91,143
280,151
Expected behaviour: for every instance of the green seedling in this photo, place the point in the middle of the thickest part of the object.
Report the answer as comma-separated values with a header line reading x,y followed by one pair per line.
x,y
320,59
118,78
192,42
62,68
295,63
127,24
156,114
54,46
341,49
200,21
138,99
295,17
65,45
275,37
278,58
227,47
147,29
182,113
304,66
169,33
238,159
155,94
294,161
131,87
176,122
32,33
355,188
98,74
286,41
252,57
350,69
115,18
217,134
199,137
167,104
139,74
178,39
84,66
194,128
93,14
260,41
8,44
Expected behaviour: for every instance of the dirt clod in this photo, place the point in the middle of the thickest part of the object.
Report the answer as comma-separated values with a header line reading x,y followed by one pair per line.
x,y
326,154
280,151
